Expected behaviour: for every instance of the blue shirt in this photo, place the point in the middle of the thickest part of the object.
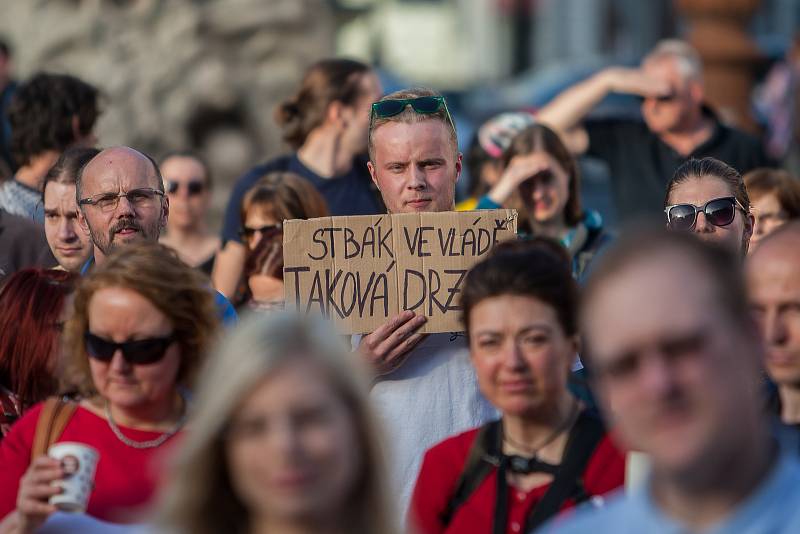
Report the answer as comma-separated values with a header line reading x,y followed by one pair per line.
x,y
773,508
352,193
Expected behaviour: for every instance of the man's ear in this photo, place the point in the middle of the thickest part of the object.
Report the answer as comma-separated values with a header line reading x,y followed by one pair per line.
x,y
459,165
164,211
334,115
83,223
696,91
373,174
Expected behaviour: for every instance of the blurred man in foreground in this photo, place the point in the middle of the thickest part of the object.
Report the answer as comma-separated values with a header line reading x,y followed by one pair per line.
x,y
773,275
677,359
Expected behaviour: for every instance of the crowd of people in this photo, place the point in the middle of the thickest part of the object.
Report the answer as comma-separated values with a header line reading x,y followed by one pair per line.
x,y
640,381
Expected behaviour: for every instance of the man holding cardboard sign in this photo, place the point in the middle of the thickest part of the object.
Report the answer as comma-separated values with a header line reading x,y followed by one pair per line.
x,y
427,389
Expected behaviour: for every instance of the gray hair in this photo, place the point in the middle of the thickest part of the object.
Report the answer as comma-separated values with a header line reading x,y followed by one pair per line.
x,y
685,56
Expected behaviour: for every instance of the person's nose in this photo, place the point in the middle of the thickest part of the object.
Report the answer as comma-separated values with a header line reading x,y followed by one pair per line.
x,y
417,181
124,208
656,375
773,328
66,230
119,364
513,357
701,225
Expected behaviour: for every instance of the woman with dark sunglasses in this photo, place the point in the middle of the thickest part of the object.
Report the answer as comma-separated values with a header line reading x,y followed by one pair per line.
x,y
277,197
188,183
708,197
141,325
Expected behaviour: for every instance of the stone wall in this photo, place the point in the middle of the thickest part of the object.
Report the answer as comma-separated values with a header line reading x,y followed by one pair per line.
x,y
204,74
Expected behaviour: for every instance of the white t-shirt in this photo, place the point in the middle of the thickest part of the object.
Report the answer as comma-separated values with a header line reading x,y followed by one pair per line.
x,y
431,396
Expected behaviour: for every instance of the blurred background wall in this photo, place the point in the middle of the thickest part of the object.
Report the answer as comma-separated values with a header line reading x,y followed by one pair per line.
x,y
206,74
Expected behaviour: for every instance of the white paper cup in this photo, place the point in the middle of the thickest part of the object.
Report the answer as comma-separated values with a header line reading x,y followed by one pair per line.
x,y
79,462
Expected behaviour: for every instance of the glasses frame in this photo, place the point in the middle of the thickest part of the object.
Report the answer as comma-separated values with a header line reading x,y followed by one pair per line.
x,y
94,200
442,103
698,209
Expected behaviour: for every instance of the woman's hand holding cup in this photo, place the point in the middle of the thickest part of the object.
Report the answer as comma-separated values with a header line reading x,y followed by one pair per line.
x,y
35,489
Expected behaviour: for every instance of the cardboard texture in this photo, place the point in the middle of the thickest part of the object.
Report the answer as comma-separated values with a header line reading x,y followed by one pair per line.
x,y
359,271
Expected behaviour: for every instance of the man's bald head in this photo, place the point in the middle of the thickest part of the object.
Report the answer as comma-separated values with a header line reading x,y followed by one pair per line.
x,y
121,198
120,155
773,279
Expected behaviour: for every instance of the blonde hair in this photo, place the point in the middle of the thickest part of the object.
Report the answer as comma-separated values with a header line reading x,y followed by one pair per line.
x,y
155,272
201,498
409,116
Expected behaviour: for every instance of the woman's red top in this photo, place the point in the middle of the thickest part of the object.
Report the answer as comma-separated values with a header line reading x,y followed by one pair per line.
x,y
442,467
126,477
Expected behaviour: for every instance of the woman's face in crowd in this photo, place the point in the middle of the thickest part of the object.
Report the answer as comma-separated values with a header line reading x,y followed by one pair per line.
x,y
189,200
119,314
520,352
257,217
769,216
545,193
698,191
292,451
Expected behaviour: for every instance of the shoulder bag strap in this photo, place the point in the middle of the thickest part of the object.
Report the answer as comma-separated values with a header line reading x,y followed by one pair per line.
x,y
475,471
53,418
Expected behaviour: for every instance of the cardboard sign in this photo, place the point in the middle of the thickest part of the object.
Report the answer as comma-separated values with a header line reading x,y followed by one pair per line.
x,y
359,271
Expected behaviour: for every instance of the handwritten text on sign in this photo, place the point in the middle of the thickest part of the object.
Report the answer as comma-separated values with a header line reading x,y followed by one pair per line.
x,y
362,270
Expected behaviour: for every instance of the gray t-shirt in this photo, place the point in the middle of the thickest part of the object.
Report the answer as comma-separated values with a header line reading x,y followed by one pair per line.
x,y
19,199
431,396
773,508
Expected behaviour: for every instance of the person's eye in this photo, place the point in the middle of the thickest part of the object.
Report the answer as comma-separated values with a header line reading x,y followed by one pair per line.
x,y
139,195
488,342
313,416
249,428
432,164
51,216
621,368
535,339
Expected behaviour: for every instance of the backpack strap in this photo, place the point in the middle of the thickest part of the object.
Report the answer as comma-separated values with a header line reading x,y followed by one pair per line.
x,y
476,469
53,418
568,483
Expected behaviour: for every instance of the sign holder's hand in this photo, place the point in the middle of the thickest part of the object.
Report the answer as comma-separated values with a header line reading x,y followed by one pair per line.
x,y
387,347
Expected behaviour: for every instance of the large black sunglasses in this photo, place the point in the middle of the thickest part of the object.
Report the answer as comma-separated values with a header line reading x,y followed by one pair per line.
x,y
194,187
139,352
718,211
246,232
424,105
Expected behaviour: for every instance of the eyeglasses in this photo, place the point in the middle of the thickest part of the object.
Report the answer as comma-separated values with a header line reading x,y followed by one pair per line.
x,y
193,188
424,105
139,352
719,212
109,201
247,232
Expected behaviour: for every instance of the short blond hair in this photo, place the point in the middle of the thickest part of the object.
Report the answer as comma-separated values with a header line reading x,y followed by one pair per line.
x,y
155,272
409,116
201,498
